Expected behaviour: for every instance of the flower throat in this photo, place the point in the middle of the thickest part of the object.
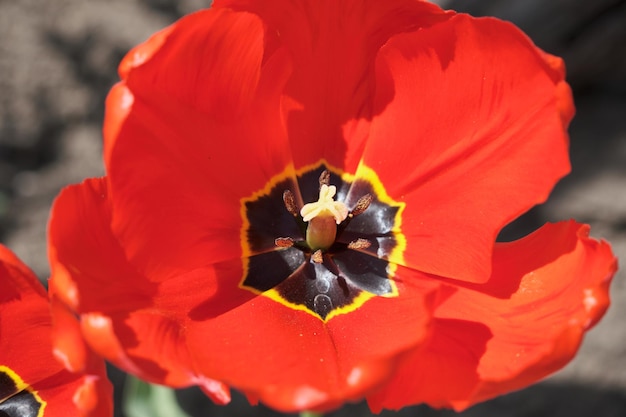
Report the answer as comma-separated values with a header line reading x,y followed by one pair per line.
x,y
328,256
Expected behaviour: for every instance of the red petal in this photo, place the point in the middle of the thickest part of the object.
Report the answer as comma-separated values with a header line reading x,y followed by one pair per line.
x,y
217,391
194,129
27,351
146,344
383,328
67,340
563,292
209,60
121,310
442,370
24,321
143,52
89,269
473,138
254,345
333,45
524,324
565,103
86,396
292,361
118,106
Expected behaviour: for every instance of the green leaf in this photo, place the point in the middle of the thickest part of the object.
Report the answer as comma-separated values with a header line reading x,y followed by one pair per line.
x,y
142,399
311,414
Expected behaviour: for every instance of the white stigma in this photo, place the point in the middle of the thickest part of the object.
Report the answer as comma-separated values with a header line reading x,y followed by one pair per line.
x,y
325,206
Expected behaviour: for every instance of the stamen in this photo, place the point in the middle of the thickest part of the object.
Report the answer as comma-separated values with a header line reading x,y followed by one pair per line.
x,y
323,216
324,178
284,242
325,205
290,202
361,205
359,244
317,257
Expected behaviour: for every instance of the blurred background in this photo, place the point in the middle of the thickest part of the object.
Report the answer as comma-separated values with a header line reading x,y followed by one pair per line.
x,y
58,59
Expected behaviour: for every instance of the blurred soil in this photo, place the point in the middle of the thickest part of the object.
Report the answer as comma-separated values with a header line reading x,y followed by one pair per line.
x,y
58,59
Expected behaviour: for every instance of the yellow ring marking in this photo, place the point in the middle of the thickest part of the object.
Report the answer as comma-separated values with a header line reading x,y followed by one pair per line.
x,y
363,173
21,386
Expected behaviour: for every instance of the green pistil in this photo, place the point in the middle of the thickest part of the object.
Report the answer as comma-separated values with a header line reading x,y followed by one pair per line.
x,y
321,232
323,216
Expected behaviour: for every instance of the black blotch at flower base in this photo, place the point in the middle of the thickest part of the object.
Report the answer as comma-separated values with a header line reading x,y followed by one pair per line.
x,y
345,278
16,401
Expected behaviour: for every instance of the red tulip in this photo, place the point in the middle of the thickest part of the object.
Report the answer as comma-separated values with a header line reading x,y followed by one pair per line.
x,y
32,381
302,200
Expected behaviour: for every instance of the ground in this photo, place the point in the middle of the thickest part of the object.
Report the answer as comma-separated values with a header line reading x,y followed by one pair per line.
x,y
58,59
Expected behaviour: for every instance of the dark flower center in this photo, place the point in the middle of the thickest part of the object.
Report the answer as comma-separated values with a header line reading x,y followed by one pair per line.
x,y
327,256
17,399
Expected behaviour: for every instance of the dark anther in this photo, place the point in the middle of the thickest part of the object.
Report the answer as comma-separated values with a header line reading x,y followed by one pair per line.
x,y
361,205
290,203
324,178
317,256
284,242
359,244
